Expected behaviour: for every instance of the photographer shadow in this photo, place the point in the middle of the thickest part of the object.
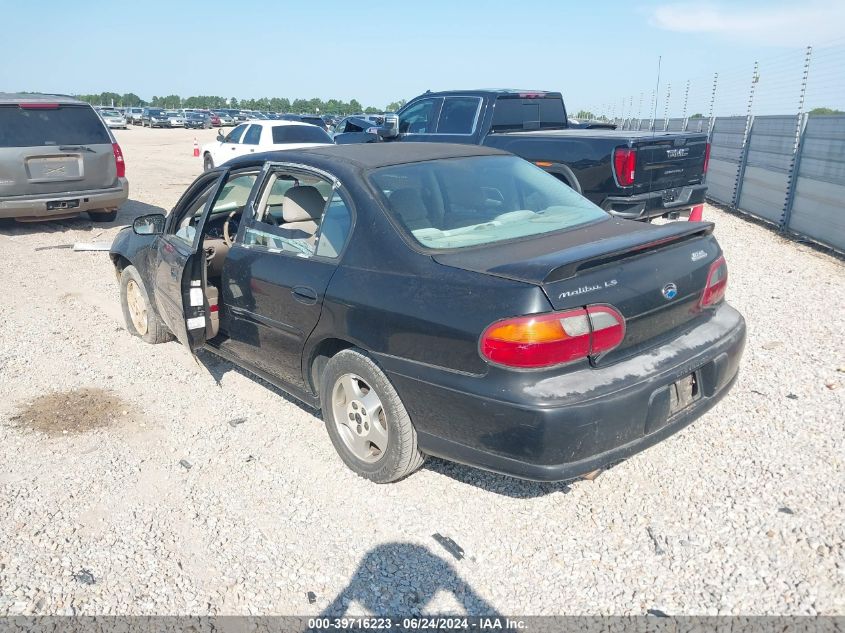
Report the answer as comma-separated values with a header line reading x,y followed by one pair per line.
x,y
403,578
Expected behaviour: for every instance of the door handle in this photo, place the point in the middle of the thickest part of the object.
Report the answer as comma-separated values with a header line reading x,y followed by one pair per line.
x,y
305,295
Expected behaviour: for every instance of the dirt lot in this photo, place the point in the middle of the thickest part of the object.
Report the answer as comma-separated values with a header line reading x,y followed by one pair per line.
x,y
147,483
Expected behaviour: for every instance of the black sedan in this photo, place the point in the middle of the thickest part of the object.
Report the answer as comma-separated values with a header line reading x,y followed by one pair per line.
x,y
198,121
438,299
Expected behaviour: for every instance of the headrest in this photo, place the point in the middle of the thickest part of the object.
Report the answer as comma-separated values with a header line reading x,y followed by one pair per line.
x,y
302,203
408,204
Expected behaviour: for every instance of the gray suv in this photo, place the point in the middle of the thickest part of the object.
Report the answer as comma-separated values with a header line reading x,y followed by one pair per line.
x,y
57,159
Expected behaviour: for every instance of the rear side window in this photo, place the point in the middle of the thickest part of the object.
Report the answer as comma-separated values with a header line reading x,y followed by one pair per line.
x,y
457,116
283,134
64,125
253,135
512,113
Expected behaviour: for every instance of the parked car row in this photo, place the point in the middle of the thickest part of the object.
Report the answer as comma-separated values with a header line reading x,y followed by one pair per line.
x,y
232,116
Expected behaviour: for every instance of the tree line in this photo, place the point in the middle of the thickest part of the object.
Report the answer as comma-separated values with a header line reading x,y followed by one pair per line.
x,y
207,102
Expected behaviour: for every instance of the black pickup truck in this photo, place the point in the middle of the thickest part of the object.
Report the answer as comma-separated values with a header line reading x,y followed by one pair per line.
x,y
636,175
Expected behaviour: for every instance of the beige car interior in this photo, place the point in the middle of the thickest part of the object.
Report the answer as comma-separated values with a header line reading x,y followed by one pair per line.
x,y
293,206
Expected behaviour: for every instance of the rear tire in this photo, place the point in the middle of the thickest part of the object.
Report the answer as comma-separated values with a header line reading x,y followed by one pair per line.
x,y
141,317
377,440
103,216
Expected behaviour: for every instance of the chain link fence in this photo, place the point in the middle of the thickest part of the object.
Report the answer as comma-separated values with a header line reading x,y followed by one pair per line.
x,y
777,132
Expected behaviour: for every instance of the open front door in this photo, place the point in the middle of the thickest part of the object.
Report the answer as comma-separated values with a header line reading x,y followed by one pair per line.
x,y
180,268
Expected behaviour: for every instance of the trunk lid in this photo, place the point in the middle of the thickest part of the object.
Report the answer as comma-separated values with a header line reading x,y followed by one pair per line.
x,y
669,161
628,265
54,149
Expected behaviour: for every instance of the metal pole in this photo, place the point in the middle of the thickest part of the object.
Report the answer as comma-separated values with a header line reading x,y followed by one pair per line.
x,y
797,146
710,120
653,108
740,173
666,109
684,114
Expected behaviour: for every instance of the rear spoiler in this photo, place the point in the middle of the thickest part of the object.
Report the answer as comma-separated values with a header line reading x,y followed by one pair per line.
x,y
629,246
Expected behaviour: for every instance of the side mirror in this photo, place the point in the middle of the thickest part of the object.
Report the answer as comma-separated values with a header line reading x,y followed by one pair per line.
x,y
390,127
220,136
152,224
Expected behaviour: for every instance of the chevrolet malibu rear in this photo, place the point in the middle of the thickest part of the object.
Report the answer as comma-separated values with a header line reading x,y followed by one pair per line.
x,y
57,159
563,339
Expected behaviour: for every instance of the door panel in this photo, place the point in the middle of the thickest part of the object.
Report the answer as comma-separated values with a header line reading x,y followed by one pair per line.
x,y
272,302
180,270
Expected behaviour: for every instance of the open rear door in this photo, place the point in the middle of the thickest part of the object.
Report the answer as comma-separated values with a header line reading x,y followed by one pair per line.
x,y
181,269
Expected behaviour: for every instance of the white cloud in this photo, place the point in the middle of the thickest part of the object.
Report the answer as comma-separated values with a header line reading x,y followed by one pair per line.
x,y
796,24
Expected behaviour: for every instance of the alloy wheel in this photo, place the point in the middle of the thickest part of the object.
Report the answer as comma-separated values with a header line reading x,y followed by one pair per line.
x,y
137,307
360,418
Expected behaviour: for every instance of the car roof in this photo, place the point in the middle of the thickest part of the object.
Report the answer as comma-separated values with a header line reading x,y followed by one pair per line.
x,y
33,97
373,155
274,123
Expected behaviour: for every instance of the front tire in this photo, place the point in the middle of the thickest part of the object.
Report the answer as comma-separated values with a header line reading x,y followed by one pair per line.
x,y
141,317
207,163
366,420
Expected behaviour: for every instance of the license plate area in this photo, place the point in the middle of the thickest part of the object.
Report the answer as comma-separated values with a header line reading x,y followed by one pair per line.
x,y
53,168
63,204
683,393
670,195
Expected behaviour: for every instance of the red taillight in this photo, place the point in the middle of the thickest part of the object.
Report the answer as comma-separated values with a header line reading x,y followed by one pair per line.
x,y
624,165
39,106
556,338
717,283
118,160
706,158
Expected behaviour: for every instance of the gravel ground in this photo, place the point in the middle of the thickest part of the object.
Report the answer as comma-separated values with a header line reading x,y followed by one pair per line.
x,y
198,490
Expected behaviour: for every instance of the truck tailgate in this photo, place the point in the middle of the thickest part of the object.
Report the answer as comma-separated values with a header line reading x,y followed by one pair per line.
x,y
667,162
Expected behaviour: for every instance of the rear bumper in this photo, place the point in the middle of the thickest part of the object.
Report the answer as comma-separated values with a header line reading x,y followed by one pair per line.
x,y
35,207
655,203
557,427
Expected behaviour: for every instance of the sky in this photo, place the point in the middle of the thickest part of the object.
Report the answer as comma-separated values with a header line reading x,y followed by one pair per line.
x,y
596,53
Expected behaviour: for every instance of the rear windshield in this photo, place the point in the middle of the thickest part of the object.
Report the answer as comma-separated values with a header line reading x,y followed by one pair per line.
x,y
64,125
299,134
462,202
515,113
